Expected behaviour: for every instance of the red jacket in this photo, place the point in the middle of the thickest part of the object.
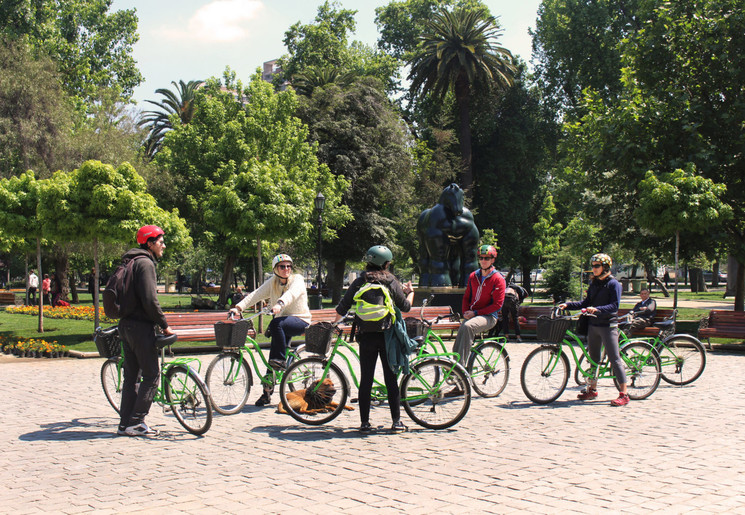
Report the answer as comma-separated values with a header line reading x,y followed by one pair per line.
x,y
484,297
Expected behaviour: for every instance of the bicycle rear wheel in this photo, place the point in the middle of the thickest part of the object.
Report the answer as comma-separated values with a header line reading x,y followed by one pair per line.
x,y
642,367
489,368
544,374
313,391
188,397
229,380
436,394
682,359
112,382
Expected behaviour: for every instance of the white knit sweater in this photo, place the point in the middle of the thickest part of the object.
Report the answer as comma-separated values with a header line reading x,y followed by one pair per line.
x,y
293,295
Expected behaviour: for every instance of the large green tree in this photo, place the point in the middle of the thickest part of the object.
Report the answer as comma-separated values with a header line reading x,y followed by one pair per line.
x,y
458,52
325,44
361,137
91,46
682,102
230,141
36,115
576,45
98,203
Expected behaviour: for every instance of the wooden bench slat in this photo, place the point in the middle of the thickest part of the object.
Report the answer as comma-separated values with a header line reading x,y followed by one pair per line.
x,y
724,324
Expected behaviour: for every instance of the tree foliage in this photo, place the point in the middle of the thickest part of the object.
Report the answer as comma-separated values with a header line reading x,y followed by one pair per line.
x,y
179,103
91,46
458,52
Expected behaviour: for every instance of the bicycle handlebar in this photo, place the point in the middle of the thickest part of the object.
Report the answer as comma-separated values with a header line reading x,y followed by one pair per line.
x,y
264,311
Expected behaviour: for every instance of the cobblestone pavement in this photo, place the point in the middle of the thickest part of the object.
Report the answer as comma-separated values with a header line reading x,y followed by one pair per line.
x,y
680,451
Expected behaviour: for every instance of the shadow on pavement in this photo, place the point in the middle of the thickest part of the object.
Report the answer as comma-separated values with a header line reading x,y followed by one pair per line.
x,y
91,429
316,433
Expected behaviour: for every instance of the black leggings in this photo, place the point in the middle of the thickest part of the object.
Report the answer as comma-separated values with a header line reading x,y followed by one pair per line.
x,y
372,345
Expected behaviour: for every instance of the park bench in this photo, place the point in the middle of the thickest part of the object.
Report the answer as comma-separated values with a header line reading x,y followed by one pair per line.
x,y
7,297
722,324
661,315
199,325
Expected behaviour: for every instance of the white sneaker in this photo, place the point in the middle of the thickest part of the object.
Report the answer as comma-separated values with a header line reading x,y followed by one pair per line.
x,y
141,429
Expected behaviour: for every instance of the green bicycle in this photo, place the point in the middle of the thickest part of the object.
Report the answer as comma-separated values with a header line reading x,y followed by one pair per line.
x,y
229,376
181,390
326,387
545,372
488,364
682,356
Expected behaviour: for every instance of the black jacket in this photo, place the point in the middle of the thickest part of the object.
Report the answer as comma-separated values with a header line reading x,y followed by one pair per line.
x,y
147,308
386,279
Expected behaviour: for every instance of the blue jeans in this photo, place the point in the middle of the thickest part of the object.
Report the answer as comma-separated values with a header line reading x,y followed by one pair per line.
x,y
282,330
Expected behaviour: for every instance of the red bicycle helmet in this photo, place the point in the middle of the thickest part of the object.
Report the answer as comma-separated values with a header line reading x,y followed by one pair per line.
x,y
148,231
487,251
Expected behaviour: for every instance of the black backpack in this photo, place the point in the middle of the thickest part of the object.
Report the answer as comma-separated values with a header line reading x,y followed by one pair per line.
x,y
119,297
521,292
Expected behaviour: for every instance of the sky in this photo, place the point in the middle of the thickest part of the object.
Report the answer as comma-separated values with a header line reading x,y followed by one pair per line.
x,y
196,39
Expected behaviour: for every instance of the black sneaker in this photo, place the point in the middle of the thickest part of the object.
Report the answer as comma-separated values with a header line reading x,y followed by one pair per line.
x,y
398,427
365,427
264,399
278,364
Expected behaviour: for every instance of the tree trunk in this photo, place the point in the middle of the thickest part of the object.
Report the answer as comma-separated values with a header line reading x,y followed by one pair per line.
x,y
677,248
41,287
335,280
225,282
61,268
715,274
697,280
96,317
74,291
740,287
463,99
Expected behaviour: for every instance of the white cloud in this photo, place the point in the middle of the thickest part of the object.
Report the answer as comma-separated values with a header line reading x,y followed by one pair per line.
x,y
218,21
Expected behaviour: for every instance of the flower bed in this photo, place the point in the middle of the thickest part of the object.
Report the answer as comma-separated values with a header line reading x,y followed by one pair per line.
x,y
63,312
32,348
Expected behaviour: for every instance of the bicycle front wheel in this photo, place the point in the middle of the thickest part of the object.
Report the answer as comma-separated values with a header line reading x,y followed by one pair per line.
x,y
313,391
229,381
544,374
112,382
489,368
436,394
188,397
642,367
682,359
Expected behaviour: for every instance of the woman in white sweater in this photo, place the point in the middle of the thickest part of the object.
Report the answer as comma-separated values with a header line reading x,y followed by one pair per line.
x,y
287,295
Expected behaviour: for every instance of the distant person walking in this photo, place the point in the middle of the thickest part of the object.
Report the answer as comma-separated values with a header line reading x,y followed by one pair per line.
x,y
46,285
32,284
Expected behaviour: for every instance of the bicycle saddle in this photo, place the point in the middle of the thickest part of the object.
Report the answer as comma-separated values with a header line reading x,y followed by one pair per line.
x,y
165,340
664,324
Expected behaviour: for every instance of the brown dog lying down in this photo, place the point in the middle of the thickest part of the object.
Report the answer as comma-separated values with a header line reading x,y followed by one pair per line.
x,y
309,401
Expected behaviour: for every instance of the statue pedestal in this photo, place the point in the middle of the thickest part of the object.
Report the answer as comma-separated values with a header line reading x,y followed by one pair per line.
x,y
443,296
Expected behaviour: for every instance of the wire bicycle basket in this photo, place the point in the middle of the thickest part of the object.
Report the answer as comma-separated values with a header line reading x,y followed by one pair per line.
x,y
552,330
107,345
414,327
232,335
319,338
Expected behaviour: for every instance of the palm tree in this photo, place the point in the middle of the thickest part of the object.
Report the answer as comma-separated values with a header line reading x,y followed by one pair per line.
x,y
311,78
180,102
458,51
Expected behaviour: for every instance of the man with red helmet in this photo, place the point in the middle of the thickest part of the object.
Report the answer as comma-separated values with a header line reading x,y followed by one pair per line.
x,y
138,330
482,302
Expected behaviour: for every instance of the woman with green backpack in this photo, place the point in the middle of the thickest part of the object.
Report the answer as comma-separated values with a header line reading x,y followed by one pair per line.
x,y
374,295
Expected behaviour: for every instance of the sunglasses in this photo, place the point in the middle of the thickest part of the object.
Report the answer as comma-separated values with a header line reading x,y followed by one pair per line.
x,y
485,258
285,267
597,265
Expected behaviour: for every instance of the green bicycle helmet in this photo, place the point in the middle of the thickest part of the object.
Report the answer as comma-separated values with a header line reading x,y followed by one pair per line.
x,y
378,255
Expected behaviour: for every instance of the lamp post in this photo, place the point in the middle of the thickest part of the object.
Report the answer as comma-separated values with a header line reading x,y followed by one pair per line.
x,y
319,202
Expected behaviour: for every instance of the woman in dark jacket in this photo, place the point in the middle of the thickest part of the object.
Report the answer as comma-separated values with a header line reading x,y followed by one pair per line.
x,y
373,294
603,299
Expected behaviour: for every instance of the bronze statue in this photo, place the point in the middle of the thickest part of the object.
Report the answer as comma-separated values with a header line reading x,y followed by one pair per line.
x,y
448,241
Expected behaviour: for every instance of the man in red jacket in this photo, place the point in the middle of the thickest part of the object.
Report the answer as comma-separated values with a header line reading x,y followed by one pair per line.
x,y
482,302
